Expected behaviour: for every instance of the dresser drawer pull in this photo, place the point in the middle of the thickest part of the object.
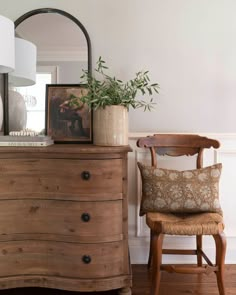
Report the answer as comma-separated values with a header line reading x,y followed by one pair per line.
x,y
85,217
85,175
86,259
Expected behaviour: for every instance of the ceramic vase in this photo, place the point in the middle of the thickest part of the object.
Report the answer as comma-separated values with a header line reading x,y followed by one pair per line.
x,y
17,111
110,126
1,113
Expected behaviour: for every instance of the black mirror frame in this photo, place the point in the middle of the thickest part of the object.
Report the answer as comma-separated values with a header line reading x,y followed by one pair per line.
x,y
19,21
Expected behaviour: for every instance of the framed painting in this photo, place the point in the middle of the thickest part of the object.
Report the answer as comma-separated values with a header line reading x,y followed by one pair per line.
x,y
68,120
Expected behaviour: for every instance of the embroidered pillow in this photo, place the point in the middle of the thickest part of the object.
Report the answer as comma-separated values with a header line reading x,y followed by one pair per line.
x,y
189,191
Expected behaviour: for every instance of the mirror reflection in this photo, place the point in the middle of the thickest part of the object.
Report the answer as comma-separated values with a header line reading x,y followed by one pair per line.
x,y
62,53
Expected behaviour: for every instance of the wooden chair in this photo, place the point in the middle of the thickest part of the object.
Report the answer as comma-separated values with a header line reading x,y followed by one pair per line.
x,y
183,224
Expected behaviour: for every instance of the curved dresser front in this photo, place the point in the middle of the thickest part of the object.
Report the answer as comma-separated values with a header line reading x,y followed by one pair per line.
x,y
63,218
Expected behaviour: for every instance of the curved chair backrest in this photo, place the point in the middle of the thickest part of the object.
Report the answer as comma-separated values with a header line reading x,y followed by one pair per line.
x,y
177,145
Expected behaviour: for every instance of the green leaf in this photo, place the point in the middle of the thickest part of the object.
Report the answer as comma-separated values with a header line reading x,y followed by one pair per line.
x,y
109,90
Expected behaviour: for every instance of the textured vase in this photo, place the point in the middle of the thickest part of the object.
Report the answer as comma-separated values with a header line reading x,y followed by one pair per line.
x,y
110,126
17,111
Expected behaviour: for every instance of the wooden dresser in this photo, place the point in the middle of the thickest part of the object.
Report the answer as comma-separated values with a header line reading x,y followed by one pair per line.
x,y
64,218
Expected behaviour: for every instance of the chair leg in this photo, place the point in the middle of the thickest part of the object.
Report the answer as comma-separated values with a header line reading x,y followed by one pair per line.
x,y
157,241
220,242
150,251
199,247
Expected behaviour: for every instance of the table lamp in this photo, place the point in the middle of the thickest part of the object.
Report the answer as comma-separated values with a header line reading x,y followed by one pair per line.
x,y
25,64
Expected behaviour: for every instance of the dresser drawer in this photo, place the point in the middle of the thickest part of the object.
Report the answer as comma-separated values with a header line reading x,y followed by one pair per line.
x,y
60,177
61,220
61,259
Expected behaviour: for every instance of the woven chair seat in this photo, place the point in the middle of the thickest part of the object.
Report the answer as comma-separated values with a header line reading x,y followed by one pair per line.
x,y
185,224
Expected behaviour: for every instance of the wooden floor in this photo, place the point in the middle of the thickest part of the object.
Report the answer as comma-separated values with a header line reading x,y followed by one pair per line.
x,y
171,284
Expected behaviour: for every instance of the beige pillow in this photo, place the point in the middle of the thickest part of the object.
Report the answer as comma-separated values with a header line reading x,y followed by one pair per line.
x,y
189,191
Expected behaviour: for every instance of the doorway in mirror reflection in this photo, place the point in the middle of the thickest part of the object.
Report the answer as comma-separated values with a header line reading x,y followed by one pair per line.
x,y
34,98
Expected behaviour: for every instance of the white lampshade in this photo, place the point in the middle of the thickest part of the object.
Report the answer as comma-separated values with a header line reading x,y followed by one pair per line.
x,y
25,67
7,47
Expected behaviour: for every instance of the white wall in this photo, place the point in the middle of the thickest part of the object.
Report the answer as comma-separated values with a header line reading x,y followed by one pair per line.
x,y
189,47
69,72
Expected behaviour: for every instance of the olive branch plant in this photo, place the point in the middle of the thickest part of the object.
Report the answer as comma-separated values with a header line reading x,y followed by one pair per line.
x,y
108,90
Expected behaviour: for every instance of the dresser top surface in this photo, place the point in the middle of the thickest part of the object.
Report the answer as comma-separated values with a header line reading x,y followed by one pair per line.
x,y
67,148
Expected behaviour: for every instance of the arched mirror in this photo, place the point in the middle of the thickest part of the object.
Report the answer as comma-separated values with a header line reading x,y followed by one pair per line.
x,y
63,51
